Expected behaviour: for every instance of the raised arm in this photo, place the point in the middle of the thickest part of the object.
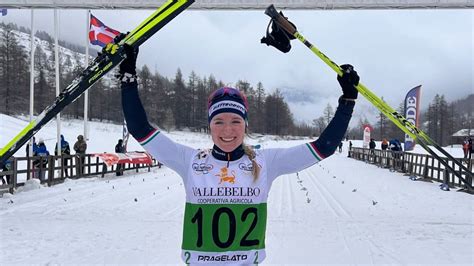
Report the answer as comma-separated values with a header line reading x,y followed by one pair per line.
x,y
134,113
165,150
290,160
327,143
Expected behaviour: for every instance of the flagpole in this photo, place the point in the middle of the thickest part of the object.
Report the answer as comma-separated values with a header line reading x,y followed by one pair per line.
x,y
56,57
32,77
86,94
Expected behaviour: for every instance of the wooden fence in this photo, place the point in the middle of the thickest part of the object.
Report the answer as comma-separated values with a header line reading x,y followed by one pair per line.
x,y
58,168
421,165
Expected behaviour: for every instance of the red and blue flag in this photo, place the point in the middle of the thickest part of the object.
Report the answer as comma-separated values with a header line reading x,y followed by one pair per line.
x,y
99,33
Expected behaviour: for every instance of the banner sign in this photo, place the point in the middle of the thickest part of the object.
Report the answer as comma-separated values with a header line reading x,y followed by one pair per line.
x,y
130,157
412,114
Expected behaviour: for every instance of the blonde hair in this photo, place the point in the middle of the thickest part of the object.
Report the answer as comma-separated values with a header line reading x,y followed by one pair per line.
x,y
250,152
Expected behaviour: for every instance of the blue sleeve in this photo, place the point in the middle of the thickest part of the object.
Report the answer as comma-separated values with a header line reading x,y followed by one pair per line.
x,y
134,113
327,143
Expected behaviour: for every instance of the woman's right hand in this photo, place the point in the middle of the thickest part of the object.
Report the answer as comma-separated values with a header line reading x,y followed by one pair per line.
x,y
128,65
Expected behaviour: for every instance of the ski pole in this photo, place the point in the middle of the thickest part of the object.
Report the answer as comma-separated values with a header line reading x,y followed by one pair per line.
x,y
399,120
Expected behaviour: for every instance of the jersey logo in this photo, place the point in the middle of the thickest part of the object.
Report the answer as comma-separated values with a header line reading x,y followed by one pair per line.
x,y
246,167
224,176
202,154
202,168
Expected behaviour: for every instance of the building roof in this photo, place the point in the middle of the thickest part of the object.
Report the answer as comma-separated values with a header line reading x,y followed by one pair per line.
x,y
464,133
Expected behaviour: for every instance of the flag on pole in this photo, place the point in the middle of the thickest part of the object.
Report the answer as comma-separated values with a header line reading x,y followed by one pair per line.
x,y
3,11
99,33
412,114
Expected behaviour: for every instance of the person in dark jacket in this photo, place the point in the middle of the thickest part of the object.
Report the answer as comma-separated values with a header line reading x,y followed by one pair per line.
x,y
350,149
6,166
396,148
35,146
41,162
395,145
471,148
80,148
372,145
65,152
384,144
372,150
119,148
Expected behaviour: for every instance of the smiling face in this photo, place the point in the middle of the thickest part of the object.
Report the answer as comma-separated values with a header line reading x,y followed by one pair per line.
x,y
227,131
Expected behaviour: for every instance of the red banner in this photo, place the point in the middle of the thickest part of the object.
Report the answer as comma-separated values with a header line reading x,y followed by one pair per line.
x,y
130,157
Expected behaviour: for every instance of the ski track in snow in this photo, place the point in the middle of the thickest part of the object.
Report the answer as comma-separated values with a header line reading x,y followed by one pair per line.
x,y
340,211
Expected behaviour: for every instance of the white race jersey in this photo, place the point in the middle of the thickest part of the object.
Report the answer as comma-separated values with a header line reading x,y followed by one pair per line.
x,y
226,207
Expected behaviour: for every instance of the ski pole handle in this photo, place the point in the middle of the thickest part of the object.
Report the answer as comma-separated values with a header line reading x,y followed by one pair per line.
x,y
282,21
288,27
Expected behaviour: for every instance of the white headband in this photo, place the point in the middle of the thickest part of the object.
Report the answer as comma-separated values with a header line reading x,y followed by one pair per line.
x,y
232,106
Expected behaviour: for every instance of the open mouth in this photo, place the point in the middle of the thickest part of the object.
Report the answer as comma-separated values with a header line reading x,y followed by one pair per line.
x,y
227,139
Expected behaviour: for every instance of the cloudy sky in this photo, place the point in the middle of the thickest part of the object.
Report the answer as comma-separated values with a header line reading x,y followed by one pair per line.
x,y
392,50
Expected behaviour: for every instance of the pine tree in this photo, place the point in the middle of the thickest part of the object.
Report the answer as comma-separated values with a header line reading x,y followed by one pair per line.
x,y
320,124
382,124
13,69
181,103
192,88
259,108
328,113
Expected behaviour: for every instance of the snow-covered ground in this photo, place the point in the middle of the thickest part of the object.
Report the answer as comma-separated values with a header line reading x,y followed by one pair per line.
x,y
341,211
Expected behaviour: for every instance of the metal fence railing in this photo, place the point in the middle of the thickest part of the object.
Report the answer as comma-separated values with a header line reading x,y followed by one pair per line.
x,y
413,164
55,169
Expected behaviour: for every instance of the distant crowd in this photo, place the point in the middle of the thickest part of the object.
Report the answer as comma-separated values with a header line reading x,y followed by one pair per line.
x,y
40,151
395,145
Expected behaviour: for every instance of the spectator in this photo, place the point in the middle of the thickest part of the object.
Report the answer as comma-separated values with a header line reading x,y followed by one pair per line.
x,y
80,148
396,148
27,150
465,147
35,146
384,144
340,147
350,149
7,166
471,148
372,146
372,150
41,162
395,145
65,150
119,148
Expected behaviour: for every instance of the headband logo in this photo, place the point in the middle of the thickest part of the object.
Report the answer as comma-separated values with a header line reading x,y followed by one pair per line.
x,y
227,105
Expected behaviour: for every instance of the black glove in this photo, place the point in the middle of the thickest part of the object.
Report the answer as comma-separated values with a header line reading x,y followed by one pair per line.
x,y
348,81
129,65
278,38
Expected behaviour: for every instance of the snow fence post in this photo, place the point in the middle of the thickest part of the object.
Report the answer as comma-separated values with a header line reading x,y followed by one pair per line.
x,y
28,168
14,176
50,170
